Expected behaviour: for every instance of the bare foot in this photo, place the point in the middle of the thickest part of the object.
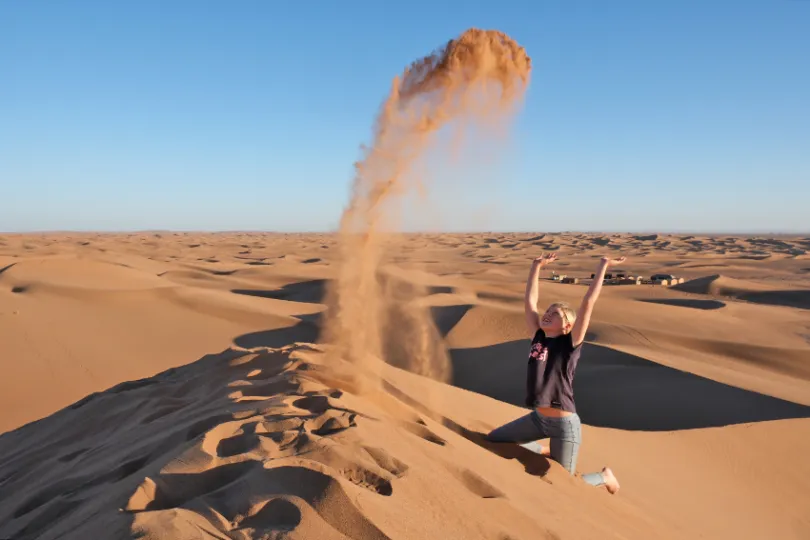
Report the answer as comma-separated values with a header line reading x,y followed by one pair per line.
x,y
611,483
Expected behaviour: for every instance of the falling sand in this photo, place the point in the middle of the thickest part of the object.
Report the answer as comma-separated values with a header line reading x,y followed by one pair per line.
x,y
480,77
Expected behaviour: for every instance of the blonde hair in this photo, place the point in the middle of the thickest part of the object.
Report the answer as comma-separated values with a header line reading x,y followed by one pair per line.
x,y
569,314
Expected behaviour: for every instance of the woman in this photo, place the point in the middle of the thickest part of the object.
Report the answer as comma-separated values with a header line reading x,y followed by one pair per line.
x,y
553,358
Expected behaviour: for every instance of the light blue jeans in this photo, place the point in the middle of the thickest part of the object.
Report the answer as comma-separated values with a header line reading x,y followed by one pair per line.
x,y
565,434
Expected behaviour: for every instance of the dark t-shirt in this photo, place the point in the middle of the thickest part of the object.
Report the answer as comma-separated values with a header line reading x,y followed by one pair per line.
x,y
552,364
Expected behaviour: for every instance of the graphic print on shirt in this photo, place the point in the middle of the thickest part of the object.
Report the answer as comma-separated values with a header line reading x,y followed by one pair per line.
x,y
539,352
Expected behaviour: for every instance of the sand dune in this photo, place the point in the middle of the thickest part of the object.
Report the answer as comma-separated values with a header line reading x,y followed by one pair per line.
x,y
76,273
254,444
718,285
698,395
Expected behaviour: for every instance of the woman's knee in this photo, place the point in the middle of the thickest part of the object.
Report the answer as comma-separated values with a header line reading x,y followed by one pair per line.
x,y
565,453
498,435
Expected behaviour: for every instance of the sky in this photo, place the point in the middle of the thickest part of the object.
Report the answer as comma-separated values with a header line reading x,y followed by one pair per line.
x,y
207,115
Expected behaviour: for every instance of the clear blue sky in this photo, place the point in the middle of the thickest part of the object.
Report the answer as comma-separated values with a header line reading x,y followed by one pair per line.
x,y
202,115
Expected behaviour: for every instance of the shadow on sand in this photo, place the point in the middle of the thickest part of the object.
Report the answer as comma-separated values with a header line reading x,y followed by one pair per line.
x,y
447,317
692,303
306,331
311,292
533,463
619,390
791,298
309,329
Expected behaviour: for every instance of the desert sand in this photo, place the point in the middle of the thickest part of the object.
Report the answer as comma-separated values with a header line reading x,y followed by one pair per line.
x,y
172,385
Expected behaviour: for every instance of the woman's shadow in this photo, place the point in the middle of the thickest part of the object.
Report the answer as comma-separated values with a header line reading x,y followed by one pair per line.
x,y
534,464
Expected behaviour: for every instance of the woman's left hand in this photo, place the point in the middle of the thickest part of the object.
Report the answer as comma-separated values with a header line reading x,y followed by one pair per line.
x,y
608,262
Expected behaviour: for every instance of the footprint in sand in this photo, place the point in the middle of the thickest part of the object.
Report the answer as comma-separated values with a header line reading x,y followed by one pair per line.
x,y
386,461
284,494
276,515
420,430
477,485
202,426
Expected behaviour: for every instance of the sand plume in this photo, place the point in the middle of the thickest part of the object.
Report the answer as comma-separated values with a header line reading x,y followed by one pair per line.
x,y
479,76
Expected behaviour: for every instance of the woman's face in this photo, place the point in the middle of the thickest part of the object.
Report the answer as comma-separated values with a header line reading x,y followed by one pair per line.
x,y
553,321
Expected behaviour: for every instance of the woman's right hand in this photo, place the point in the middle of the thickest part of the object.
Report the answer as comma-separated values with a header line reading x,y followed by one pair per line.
x,y
608,262
545,259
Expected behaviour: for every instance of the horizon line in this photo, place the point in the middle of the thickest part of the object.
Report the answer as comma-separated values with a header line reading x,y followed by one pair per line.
x,y
409,232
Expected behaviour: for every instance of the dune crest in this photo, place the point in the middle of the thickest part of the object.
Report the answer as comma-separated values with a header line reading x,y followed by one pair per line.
x,y
719,285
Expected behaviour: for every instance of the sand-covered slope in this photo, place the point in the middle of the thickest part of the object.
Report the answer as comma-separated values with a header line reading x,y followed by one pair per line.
x,y
271,443
697,396
259,444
